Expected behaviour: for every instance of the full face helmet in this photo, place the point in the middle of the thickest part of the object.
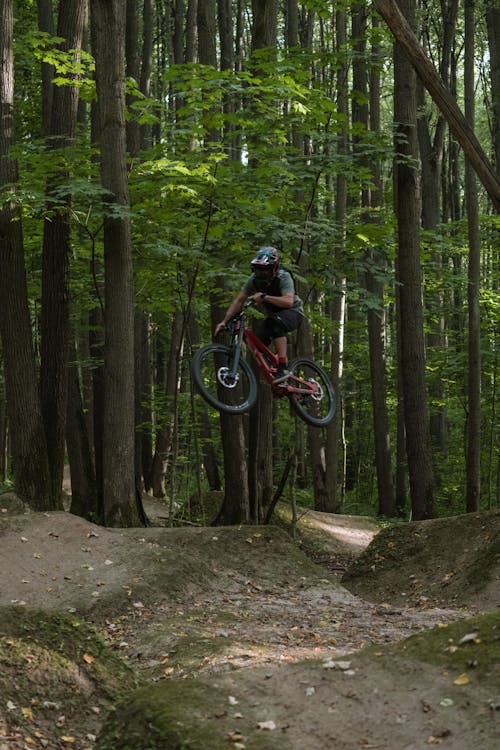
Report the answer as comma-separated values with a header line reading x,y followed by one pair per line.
x,y
266,262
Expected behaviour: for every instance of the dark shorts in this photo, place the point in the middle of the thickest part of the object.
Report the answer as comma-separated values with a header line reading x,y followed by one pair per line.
x,y
278,324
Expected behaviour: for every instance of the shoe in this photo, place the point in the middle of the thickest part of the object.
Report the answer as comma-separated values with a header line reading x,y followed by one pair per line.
x,y
282,374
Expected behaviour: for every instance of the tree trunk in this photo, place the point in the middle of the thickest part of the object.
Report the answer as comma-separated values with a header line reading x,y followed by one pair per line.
x,y
377,326
146,131
411,320
431,158
164,438
54,322
335,431
83,482
202,424
46,25
260,463
260,438
27,436
370,198
265,19
473,286
142,380
143,387
235,505
493,25
118,445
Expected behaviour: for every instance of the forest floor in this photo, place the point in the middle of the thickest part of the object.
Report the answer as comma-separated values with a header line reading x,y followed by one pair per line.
x,y
347,636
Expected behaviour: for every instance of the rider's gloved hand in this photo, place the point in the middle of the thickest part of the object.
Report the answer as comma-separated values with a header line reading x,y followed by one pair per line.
x,y
257,298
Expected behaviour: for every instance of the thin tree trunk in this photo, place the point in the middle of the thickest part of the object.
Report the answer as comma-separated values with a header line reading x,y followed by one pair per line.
x,y
165,436
431,157
146,131
201,422
260,453
473,286
83,482
370,198
493,25
336,447
45,10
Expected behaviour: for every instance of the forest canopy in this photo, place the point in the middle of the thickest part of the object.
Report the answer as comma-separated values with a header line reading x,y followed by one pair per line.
x,y
147,150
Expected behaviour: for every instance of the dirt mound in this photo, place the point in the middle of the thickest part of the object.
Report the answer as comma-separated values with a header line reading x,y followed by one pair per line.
x,y
59,561
447,562
408,696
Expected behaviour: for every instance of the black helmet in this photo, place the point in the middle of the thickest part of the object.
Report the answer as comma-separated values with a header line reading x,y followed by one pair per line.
x,y
266,262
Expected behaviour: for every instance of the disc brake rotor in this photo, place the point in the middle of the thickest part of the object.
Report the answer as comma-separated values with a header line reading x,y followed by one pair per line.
x,y
226,379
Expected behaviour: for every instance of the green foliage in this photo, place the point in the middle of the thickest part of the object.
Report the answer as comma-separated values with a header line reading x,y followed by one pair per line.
x,y
247,157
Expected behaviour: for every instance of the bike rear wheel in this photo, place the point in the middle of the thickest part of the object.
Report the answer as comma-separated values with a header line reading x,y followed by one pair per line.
x,y
316,408
211,367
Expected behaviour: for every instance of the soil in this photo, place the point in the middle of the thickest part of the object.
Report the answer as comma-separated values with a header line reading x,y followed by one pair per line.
x,y
345,635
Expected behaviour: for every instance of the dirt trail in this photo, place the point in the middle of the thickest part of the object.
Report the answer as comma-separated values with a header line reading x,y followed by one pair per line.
x,y
240,610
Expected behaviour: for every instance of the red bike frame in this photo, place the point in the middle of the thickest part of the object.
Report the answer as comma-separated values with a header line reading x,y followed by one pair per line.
x,y
268,363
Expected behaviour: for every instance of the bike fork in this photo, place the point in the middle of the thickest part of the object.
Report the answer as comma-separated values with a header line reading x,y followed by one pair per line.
x,y
237,353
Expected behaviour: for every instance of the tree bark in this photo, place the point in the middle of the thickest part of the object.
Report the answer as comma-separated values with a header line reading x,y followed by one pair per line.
x,y
411,321
265,19
27,436
164,438
493,26
45,10
146,130
143,388
236,503
260,437
83,482
260,455
235,506
54,322
457,123
119,497
431,159
473,286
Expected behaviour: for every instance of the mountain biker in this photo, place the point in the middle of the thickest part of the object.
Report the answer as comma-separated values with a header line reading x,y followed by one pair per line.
x,y
272,290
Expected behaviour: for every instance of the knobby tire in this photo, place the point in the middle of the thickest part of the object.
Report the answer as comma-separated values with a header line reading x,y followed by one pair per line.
x,y
207,363
316,413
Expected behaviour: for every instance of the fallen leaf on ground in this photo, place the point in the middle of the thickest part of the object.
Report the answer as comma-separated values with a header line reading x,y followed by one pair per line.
x,y
470,638
267,725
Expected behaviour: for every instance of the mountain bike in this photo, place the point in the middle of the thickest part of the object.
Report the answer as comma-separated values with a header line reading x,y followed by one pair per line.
x,y
226,381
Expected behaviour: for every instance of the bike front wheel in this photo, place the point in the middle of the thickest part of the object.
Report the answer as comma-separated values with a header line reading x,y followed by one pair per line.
x,y
315,406
234,392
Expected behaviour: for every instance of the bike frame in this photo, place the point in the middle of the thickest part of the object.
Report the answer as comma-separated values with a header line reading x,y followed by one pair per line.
x,y
263,355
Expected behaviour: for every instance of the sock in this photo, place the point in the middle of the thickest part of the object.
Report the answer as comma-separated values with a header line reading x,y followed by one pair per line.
x,y
282,361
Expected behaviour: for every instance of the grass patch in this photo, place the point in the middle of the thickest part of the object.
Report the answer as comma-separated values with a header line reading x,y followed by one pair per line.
x,y
53,665
470,646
